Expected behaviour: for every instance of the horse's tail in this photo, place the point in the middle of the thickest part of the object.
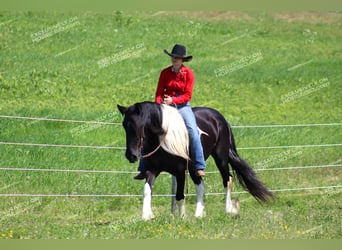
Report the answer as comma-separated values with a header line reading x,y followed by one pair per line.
x,y
246,174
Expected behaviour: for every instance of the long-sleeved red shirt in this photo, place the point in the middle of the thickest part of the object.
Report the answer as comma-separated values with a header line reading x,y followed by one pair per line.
x,y
177,85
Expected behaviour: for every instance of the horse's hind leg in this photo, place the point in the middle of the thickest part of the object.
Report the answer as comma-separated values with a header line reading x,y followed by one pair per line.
x,y
200,190
231,207
221,160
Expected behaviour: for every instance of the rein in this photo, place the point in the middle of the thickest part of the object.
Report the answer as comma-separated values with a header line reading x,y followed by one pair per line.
x,y
142,144
151,153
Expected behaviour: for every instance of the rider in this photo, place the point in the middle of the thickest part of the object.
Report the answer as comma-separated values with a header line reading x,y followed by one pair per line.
x,y
175,88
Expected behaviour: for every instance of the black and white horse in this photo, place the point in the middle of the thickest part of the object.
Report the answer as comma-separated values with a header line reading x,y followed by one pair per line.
x,y
158,130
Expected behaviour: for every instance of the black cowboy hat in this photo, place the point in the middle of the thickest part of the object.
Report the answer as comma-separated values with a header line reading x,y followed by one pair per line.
x,y
179,51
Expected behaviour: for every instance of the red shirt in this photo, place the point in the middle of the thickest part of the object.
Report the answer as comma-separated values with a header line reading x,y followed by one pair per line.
x,y
177,85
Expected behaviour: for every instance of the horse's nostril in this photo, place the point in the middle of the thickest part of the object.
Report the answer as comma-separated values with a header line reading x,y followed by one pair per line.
x,y
131,157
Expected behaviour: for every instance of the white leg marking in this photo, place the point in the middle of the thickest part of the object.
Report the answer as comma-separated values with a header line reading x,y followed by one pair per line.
x,y
147,203
181,208
232,207
199,200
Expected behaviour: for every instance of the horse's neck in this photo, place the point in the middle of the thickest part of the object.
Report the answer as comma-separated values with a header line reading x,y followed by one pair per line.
x,y
151,140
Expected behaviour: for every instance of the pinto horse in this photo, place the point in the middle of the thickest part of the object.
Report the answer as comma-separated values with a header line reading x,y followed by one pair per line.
x,y
157,133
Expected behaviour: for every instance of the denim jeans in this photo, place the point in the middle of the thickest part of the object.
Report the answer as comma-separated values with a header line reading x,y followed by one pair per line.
x,y
196,150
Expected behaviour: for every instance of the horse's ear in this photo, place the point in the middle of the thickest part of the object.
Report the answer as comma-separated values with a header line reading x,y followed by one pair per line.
x,y
138,108
122,109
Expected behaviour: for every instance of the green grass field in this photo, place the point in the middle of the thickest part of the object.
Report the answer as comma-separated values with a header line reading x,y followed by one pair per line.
x,y
255,68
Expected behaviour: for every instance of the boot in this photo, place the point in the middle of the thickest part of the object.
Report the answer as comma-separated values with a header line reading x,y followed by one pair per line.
x,y
140,176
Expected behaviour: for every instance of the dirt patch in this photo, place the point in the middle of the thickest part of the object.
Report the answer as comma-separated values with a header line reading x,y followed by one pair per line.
x,y
309,17
212,15
290,17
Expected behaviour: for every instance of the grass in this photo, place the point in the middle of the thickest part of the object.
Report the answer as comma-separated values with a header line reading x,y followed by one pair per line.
x,y
60,77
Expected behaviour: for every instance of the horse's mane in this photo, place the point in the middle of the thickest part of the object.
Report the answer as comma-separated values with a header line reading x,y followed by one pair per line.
x,y
176,139
166,122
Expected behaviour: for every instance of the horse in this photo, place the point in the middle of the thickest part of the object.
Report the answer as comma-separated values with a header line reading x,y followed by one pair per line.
x,y
157,134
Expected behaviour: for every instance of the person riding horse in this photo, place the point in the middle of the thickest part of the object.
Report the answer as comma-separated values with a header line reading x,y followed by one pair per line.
x,y
156,134
175,87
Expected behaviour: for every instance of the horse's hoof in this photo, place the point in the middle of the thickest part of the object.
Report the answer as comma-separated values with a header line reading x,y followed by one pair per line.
x,y
200,215
181,208
234,210
148,217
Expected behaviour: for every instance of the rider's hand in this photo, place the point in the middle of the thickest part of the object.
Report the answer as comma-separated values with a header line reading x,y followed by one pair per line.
x,y
167,100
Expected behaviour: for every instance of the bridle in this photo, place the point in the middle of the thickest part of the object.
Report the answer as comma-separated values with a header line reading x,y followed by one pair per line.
x,y
141,146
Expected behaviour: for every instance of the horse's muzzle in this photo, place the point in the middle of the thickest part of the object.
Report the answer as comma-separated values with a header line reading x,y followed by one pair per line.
x,y
132,158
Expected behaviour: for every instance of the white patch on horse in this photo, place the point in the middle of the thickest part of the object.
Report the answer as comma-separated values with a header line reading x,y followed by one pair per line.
x,y
200,190
176,139
232,206
147,203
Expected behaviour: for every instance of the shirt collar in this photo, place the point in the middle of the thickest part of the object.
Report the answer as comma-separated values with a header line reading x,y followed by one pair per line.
x,y
180,69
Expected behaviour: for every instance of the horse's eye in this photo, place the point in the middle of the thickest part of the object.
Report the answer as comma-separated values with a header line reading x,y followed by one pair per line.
x,y
127,124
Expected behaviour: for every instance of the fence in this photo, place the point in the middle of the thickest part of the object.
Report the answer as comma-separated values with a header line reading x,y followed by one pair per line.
x,y
130,172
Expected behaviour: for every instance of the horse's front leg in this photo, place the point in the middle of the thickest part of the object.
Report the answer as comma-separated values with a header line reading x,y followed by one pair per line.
x,y
147,213
180,194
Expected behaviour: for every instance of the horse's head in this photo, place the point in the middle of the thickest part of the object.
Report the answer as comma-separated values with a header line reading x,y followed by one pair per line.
x,y
134,131
139,119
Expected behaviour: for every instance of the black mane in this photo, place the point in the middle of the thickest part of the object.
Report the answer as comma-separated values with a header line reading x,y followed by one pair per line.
x,y
151,116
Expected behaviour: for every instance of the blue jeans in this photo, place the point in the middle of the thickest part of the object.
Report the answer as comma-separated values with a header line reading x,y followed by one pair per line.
x,y
196,150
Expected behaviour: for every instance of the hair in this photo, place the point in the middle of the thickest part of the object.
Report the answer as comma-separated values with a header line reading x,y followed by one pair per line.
x,y
176,139
167,123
